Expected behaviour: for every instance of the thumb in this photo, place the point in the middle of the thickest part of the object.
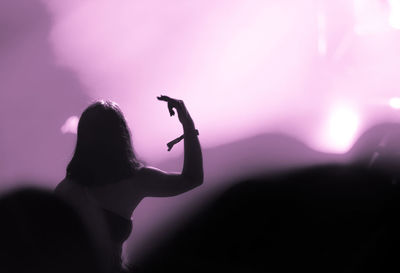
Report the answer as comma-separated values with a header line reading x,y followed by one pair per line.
x,y
171,110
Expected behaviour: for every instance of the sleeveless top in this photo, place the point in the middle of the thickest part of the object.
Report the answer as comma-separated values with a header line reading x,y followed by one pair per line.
x,y
119,227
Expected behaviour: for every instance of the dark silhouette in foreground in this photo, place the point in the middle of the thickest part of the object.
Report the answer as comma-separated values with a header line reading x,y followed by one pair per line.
x,y
104,174
331,218
42,233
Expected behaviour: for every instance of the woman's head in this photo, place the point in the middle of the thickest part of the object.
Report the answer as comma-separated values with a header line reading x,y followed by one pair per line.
x,y
103,152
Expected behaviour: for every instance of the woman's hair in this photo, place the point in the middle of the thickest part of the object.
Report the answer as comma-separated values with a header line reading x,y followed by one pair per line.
x,y
103,152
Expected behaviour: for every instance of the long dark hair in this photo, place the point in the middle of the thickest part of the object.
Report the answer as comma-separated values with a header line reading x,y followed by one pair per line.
x,y
103,152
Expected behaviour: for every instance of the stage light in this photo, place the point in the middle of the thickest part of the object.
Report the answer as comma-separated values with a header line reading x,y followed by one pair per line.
x,y
339,130
343,126
394,103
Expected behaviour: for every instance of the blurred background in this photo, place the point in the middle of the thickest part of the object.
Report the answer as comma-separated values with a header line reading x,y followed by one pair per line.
x,y
271,85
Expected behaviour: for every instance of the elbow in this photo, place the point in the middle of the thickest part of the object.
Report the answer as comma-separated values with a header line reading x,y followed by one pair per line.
x,y
198,180
195,180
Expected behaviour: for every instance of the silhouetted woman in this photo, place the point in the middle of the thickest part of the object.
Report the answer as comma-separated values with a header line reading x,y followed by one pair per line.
x,y
104,172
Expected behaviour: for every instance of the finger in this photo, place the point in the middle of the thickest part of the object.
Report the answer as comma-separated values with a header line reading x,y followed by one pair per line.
x,y
164,98
170,106
172,103
175,102
171,110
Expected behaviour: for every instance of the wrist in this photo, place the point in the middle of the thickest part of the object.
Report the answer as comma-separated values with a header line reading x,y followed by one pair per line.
x,y
191,132
188,127
187,133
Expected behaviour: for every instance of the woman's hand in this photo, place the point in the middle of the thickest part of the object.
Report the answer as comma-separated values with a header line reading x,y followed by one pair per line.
x,y
180,107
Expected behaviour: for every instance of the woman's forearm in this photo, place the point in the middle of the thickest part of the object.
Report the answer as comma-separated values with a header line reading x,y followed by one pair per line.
x,y
193,159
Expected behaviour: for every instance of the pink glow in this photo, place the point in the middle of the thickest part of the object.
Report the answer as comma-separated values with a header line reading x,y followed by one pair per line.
x,y
321,25
242,68
371,16
394,18
222,61
245,64
237,64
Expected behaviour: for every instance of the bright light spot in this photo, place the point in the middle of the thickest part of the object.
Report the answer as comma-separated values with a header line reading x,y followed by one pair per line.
x,y
70,125
394,18
395,103
339,131
343,125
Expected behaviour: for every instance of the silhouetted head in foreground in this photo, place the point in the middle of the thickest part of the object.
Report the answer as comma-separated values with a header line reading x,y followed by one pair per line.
x,y
42,233
322,219
104,152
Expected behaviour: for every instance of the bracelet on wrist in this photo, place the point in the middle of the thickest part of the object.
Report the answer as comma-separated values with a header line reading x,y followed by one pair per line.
x,y
193,132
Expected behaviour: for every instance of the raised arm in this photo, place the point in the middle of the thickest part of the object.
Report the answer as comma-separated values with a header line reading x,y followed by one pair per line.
x,y
159,183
